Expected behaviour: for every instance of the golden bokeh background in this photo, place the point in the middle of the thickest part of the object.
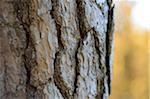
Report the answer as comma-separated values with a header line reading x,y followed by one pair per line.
x,y
130,70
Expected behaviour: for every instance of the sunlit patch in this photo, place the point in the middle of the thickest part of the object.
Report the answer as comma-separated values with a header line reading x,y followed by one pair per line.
x,y
141,14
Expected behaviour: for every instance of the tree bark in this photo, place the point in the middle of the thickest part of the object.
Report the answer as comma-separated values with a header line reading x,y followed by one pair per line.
x,y
56,49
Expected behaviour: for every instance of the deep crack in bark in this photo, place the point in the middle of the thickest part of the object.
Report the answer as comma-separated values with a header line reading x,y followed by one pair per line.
x,y
58,80
21,8
109,40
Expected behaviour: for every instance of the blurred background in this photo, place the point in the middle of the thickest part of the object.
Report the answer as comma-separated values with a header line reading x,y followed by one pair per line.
x,y
132,34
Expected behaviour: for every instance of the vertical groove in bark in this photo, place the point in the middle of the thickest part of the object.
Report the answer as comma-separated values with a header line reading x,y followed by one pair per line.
x,y
83,26
101,88
25,10
83,29
58,80
109,43
79,12
77,69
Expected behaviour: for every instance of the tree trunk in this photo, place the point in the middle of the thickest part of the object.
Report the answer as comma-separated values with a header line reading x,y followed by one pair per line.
x,y
55,49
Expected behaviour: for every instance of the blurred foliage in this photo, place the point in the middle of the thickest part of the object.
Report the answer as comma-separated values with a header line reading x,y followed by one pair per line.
x,y
130,71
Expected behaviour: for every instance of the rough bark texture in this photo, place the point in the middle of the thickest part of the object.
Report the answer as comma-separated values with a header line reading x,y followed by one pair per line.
x,y
55,49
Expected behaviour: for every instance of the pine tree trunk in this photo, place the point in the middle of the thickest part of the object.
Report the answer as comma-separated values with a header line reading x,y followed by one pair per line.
x,y
55,49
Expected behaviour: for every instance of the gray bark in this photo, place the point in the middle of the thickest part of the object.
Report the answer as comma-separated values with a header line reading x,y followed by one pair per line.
x,y
56,49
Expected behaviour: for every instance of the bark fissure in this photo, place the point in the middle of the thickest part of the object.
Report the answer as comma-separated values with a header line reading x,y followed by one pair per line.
x,y
83,25
58,80
77,68
77,71
21,8
109,41
5,77
82,36
100,82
